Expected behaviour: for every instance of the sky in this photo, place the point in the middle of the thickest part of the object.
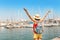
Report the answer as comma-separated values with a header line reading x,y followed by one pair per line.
x,y
13,9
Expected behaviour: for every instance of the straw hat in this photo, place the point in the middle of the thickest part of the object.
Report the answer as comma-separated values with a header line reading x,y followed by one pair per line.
x,y
37,16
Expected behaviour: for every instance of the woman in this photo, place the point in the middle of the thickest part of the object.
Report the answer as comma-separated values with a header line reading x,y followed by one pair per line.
x,y
38,25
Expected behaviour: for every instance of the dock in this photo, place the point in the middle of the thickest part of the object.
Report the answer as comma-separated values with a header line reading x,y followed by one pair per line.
x,y
57,38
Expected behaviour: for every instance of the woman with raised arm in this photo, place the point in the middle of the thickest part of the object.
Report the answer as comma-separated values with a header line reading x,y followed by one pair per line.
x,y
38,25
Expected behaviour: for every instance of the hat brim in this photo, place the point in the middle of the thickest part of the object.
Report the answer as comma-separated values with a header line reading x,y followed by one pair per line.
x,y
36,17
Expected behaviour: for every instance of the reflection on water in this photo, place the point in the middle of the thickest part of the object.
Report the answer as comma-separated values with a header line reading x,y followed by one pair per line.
x,y
51,32
27,34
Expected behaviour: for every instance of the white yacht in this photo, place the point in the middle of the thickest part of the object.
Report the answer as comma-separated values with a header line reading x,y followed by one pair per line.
x,y
51,22
3,24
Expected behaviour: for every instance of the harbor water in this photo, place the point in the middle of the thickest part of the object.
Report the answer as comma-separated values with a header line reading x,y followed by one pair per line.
x,y
27,34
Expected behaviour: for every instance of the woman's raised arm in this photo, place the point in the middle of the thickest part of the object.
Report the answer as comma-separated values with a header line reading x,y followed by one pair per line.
x,y
29,15
45,16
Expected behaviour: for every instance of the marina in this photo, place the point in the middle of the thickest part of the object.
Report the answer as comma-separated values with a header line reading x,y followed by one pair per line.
x,y
28,24
23,30
27,33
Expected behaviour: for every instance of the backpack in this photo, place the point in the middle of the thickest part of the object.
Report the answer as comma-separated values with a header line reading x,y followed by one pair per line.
x,y
38,29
